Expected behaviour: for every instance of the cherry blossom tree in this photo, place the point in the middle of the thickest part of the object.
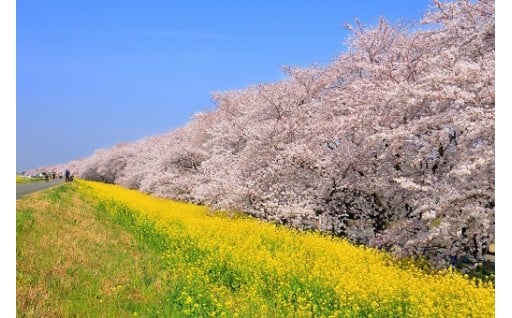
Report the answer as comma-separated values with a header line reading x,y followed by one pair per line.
x,y
391,145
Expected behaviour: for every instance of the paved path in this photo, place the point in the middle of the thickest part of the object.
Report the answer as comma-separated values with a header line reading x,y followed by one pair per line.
x,y
26,188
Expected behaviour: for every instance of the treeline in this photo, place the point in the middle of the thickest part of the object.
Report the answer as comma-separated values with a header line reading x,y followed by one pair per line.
x,y
391,145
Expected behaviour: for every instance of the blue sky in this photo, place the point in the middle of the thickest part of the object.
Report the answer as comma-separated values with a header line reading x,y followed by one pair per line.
x,y
92,74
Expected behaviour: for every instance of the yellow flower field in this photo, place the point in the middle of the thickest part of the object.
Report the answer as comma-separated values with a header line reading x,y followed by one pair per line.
x,y
225,266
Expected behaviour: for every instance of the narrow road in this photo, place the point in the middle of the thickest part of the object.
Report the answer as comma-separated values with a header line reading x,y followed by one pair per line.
x,y
26,188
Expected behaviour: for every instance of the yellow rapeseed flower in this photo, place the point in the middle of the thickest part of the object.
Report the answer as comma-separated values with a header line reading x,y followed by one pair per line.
x,y
247,267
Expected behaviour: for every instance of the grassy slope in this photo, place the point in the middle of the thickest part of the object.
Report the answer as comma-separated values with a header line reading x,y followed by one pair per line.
x,y
73,259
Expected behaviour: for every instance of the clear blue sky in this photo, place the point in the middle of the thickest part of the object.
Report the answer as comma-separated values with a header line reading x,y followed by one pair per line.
x,y
92,74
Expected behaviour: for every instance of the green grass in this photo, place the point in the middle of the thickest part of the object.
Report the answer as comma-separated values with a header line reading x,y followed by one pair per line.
x,y
23,179
77,259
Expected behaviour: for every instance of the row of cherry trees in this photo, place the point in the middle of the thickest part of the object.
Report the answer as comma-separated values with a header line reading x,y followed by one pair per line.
x,y
391,145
